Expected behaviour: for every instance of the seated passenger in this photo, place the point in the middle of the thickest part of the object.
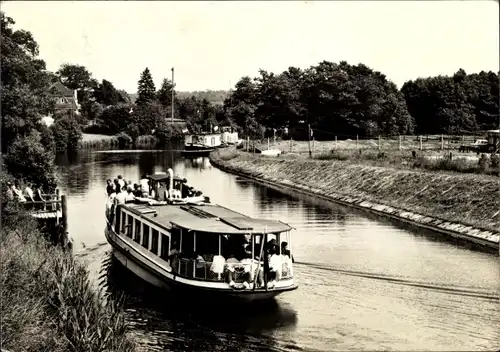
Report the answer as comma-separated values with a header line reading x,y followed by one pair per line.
x,y
137,190
286,260
275,267
200,266
173,257
18,193
217,267
232,268
130,196
250,270
161,197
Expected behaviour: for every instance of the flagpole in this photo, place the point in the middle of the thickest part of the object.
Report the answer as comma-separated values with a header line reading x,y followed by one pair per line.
x,y
173,95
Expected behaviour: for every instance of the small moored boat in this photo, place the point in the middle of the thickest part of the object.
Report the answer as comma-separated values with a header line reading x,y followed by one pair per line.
x,y
192,246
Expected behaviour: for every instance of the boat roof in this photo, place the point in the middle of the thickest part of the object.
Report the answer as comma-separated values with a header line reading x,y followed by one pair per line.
x,y
162,177
206,218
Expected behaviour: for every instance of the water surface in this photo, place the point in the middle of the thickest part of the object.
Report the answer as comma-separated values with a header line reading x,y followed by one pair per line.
x,y
364,284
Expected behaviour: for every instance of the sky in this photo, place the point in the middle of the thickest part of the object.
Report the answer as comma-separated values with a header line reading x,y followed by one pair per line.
x,y
212,45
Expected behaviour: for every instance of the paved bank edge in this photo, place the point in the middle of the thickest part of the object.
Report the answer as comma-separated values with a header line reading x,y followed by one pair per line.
x,y
484,238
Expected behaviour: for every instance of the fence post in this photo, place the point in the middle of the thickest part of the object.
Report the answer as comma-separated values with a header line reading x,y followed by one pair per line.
x,y
291,141
420,139
248,143
357,137
379,146
267,143
336,146
399,142
64,214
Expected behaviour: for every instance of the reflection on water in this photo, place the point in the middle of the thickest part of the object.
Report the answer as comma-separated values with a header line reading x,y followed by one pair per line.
x,y
364,283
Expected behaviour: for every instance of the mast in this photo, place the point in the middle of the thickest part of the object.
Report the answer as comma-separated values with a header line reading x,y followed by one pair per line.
x,y
172,95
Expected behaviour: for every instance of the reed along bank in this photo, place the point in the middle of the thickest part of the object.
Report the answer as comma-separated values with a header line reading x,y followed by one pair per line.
x,y
47,300
462,205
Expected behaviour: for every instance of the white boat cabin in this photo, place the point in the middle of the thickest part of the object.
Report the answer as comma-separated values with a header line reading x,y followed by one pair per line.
x,y
209,244
205,140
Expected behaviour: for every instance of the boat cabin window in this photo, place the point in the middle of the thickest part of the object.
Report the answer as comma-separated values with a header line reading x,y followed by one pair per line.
x,y
137,230
165,247
145,236
154,241
187,243
123,228
129,225
176,236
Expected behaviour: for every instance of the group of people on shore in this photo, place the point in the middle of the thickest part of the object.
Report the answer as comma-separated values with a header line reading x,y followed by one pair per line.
x,y
30,193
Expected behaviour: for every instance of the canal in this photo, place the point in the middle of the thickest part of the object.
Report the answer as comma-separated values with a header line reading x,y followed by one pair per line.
x,y
365,284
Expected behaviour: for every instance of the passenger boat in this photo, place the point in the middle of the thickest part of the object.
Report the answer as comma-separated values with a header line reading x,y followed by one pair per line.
x,y
194,247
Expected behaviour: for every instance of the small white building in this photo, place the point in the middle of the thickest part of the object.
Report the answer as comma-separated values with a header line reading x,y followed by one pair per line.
x,y
230,137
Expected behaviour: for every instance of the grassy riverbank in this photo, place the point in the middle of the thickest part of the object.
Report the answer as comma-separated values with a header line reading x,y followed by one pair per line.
x,y
48,302
470,199
368,153
103,142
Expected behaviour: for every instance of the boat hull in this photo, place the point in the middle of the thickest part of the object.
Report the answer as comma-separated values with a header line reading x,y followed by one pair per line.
x,y
155,278
197,152
198,147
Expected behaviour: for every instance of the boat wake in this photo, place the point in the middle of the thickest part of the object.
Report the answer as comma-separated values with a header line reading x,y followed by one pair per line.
x,y
461,291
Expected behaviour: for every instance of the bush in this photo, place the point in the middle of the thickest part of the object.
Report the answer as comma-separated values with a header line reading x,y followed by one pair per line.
x,y
47,138
124,140
28,160
67,134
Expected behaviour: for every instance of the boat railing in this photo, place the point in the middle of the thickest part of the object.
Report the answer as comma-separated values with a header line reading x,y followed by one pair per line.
x,y
240,272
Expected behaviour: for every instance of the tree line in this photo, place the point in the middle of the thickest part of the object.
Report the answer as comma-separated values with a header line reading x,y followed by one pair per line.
x,y
339,99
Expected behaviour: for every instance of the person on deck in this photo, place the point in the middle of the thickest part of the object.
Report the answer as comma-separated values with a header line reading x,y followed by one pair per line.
x,y
275,267
121,182
137,190
173,257
121,196
232,264
144,182
110,187
129,196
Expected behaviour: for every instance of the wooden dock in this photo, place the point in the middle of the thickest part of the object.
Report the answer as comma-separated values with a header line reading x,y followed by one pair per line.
x,y
51,213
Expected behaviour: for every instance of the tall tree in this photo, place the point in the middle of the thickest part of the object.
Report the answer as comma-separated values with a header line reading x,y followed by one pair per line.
x,y
146,90
75,77
107,94
24,83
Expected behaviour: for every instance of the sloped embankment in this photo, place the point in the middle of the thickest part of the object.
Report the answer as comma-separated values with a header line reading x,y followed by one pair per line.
x,y
462,205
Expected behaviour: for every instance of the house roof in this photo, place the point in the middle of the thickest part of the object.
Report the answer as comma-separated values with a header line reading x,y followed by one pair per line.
x,y
60,89
207,218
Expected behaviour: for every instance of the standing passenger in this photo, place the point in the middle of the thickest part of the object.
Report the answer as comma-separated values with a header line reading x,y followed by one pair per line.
x,y
121,182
